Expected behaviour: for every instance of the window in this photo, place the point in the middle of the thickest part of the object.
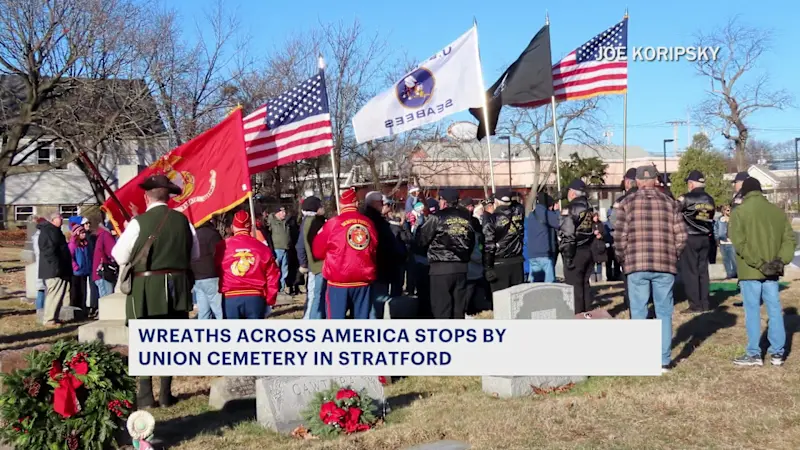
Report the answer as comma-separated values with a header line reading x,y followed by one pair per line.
x,y
58,156
43,156
68,211
50,154
23,213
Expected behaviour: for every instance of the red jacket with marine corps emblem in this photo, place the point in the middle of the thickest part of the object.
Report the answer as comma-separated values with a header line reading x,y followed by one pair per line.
x,y
246,267
348,243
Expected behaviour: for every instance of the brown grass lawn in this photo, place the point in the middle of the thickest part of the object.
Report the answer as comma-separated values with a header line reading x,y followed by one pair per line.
x,y
705,402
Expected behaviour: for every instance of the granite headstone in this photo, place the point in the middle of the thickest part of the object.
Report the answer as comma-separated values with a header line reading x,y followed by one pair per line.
x,y
228,389
280,401
537,301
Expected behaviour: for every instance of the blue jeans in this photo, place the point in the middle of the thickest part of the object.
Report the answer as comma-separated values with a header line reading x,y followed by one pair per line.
x,y
753,291
379,295
104,287
315,308
542,264
40,295
209,299
246,307
639,284
283,262
728,259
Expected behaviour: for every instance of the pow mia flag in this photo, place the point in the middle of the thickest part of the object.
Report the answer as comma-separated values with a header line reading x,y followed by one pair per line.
x,y
526,83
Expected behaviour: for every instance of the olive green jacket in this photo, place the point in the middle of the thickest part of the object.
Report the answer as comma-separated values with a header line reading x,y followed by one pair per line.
x,y
760,233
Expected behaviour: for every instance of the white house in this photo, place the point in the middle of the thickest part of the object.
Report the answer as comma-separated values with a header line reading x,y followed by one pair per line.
x,y
67,190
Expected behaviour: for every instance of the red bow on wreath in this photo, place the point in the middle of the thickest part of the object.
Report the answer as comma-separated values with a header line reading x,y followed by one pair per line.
x,y
65,397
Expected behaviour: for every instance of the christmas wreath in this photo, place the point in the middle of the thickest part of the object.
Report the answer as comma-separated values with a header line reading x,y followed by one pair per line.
x,y
73,396
339,410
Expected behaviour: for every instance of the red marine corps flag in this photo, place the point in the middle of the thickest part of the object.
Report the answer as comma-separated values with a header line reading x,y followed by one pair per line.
x,y
211,169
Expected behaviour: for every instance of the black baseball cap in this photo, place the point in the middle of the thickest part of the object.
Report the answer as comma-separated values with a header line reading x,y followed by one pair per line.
x,y
467,201
577,185
646,172
631,174
741,176
696,175
504,195
449,195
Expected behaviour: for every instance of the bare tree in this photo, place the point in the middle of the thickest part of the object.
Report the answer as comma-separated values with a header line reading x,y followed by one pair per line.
x,y
735,90
81,91
197,84
44,46
578,121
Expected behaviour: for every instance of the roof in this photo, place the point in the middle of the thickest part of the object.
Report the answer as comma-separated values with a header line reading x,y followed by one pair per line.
x,y
473,150
82,102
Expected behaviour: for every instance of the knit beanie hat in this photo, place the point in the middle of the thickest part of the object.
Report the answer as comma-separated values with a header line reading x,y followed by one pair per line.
x,y
241,220
312,204
348,198
750,185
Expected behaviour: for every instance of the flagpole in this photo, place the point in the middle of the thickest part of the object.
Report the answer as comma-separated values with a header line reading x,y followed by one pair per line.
x,y
625,121
485,109
555,143
321,62
555,127
92,168
253,232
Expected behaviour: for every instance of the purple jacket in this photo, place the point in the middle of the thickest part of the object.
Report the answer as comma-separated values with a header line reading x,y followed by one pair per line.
x,y
102,250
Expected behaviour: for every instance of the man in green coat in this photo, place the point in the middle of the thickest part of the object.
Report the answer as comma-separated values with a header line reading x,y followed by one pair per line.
x,y
162,280
764,243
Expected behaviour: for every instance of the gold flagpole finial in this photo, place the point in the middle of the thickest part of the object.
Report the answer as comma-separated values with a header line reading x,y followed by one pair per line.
x,y
626,13
546,17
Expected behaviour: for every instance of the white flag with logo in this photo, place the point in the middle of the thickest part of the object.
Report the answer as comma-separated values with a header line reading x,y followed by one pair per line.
x,y
447,83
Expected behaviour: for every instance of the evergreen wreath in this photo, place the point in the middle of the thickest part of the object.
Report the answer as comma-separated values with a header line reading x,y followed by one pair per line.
x,y
339,410
72,396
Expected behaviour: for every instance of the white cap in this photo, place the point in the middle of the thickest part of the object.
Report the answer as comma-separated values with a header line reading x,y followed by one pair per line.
x,y
84,221
413,189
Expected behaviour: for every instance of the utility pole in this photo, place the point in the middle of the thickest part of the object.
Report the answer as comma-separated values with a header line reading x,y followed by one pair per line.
x,y
675,124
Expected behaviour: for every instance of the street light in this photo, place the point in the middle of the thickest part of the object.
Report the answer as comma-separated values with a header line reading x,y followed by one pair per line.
x,y
797,171
508,139
666,141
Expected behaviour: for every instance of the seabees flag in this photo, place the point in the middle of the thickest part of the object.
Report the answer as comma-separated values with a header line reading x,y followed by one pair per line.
x,y
448,82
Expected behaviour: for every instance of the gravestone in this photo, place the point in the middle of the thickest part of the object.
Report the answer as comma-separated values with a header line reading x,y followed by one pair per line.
x,y
228,389
110,328
280,401
536,301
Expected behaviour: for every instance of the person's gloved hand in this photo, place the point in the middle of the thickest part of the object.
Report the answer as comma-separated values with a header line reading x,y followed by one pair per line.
x,y
303,270
491,277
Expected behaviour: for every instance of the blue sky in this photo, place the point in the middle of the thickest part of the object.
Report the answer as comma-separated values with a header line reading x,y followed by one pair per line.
x,y
658,91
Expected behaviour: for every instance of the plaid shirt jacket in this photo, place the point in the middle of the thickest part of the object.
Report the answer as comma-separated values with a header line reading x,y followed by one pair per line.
x,y
649,232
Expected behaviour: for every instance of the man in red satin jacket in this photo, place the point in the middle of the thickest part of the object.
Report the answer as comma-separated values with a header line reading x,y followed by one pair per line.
x,y
248,274
348,243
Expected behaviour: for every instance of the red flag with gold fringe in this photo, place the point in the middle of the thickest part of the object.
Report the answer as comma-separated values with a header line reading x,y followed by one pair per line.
x,y
211,169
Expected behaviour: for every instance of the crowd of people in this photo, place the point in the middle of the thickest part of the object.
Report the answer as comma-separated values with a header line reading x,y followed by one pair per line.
x,y
447,254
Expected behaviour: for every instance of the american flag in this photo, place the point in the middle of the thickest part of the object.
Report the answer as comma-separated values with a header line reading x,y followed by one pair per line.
x,y
585,72
295,125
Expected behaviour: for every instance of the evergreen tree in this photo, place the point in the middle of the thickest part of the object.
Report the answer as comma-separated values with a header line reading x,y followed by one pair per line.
x,y
702,156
